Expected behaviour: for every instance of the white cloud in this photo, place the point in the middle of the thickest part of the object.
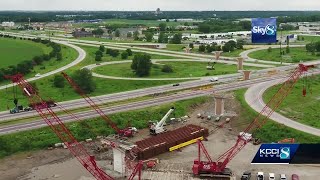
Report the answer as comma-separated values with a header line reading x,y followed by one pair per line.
x,y
163,4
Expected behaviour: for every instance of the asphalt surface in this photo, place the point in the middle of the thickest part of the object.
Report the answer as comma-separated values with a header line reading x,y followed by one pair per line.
x,y
136,105
254,98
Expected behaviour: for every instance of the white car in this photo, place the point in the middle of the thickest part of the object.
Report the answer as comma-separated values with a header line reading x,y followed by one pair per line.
x,y
214,79
271,176
283,177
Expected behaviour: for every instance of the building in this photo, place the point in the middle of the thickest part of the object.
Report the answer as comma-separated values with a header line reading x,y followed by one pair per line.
x,y
184,28
7,24
125,31
216,35
78,34
214,41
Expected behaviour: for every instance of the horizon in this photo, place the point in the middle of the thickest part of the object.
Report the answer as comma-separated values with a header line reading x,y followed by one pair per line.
x,y
164,5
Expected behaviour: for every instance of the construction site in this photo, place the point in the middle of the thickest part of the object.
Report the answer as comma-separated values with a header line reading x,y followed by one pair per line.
x,y
209,142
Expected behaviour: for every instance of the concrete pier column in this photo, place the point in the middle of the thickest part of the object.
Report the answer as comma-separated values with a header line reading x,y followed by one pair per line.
x,y
217,54
219,105
246,75
240,63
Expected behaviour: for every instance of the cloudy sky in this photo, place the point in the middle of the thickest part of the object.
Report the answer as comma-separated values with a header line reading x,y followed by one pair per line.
x,y
162,4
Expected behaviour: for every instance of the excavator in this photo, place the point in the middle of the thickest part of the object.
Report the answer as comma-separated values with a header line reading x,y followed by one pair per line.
x,y
157,128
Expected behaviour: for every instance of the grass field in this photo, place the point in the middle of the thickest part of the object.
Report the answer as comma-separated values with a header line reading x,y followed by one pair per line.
x,y
235,53
271,131
296,55
180,69
44,137
302,109
311,38
176,47
104,86
14,51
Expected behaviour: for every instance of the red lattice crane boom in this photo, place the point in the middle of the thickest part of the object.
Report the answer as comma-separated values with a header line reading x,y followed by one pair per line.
x,y
127,132
209,167
50,117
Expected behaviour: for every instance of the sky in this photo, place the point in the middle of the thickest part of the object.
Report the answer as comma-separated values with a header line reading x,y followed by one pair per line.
x,y
165,5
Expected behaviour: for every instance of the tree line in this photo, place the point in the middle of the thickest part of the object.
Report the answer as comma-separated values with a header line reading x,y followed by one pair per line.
x,y
26,66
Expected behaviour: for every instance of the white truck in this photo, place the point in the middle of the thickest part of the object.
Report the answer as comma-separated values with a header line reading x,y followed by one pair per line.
x,y
260,176
157,128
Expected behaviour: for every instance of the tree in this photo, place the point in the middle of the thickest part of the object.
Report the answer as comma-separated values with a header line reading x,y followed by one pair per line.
x,y
84,79
204,28
240,44
102,48
161,37
58,81
177,38
124,55
136,35
167,69
226,48
98,32
191,45
99,53
46,57
59,56
269,49
129,51
114,53
98,58
167,20
218,48
38,59
141,64
117,33
163,26
310,47
209,48
149,36
129,34
317,46
202,48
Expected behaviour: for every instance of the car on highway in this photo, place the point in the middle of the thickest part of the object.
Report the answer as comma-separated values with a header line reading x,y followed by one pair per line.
x,y
214,79
246,175
176,84
271,176
283,177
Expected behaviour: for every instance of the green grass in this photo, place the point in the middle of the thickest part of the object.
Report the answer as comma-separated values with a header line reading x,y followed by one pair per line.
x,y
44,137
235,53
271,131
180,69
301,109
310,38
104,86
14,51
296,54
176,47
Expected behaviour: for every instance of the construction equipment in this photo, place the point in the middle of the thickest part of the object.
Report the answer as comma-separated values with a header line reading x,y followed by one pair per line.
x,y
157,128
63,133
127,132
55,123
210,65
219,166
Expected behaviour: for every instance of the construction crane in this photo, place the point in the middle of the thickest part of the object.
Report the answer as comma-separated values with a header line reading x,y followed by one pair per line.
x,y
127,132
55,123
219,166
157,128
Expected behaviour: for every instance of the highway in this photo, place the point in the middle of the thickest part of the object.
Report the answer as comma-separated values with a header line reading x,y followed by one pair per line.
x,y
254,94
138,105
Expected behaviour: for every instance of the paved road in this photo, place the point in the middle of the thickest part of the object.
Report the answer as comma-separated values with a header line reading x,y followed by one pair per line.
x,y
253,97
245,54
136,105
92,66
81,57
